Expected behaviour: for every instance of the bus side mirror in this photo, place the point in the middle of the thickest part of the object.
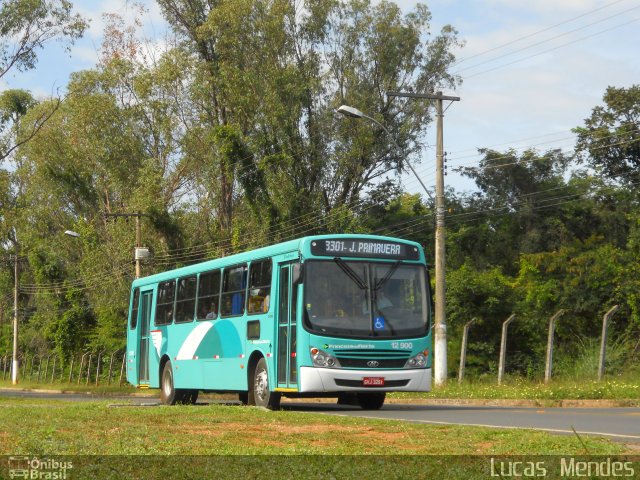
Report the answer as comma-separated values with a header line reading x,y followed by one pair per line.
x,y
297,273
431,302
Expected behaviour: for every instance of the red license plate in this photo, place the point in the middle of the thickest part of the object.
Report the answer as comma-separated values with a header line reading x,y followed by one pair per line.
x,y
373,382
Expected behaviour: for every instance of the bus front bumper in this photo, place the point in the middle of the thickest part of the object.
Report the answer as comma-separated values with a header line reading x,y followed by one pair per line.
x,y
314,379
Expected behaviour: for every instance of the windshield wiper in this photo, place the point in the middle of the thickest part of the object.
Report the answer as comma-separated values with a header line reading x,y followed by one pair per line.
x,y
391,271
350,273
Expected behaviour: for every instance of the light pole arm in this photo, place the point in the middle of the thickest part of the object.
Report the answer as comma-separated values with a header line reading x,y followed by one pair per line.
x,y
386,130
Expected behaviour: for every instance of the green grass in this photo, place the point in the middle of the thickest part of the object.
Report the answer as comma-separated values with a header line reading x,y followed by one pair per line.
x,y
127,441
56,427
622,389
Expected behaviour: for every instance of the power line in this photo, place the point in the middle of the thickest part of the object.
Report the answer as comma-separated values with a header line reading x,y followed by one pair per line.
x,y
553,49
536,33
549,39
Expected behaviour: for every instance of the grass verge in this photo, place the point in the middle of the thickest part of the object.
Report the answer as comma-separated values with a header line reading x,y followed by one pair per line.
x,y
627,389
48,427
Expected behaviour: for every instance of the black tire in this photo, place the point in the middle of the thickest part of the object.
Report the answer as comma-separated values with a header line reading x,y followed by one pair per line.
x,y
371,401
260,395
349,398
168,393
189,397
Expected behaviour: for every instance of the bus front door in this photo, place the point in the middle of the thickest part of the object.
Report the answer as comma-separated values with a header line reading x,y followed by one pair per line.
x,y
287,315
145,338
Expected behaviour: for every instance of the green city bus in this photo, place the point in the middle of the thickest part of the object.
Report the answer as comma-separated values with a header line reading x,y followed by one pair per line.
x,y
346,316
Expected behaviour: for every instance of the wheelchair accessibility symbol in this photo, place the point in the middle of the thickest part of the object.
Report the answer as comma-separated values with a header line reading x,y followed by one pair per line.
x,y
378,323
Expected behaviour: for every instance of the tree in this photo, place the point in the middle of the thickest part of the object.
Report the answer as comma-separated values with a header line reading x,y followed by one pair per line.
x,y
609,141
521,206
27,25
274,72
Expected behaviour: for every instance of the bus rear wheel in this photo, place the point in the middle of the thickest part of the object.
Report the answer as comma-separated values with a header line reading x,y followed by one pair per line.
x,y
371,401
169,395
259,394
189,397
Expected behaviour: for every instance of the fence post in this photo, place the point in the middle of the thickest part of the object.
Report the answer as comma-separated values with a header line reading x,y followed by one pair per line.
x,y
39,368
63,363
124,356
503,347
53,370
89,369
463,349
111,367
26,363
548,367
603,343
81,367
33,360
71,369
46,369
98,368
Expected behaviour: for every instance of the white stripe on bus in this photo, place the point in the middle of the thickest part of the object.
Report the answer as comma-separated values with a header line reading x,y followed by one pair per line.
x,y
192,342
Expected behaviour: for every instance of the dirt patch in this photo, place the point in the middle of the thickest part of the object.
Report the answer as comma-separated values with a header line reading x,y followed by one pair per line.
x,y
484,447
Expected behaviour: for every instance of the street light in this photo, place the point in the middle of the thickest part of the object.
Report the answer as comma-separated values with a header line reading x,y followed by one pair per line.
x,y
440,340
352,112
71,233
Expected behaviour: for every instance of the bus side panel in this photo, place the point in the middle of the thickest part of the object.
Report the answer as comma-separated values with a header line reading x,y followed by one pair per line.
x,y
224,341
207,355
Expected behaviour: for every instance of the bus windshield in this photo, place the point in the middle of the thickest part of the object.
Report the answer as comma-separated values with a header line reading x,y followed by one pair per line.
x,y
366,299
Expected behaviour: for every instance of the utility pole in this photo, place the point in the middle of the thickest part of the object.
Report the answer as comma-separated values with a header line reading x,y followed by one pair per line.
x,y
14,371
440,330
140,253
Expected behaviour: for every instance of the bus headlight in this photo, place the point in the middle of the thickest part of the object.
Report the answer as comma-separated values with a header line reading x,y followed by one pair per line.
x,y
419,361
323,359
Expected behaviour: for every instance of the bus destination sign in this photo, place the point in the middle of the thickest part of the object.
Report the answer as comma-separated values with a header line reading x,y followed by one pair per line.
x,y
361,248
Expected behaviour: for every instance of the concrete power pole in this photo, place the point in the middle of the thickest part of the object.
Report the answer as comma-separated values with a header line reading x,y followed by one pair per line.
x,y
15,368
140,253
440,330
138,245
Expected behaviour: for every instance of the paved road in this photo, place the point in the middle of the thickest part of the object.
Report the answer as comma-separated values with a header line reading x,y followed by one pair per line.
x,y
622,424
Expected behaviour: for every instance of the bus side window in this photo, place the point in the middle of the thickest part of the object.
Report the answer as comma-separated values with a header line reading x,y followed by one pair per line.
x,y
259,287
134,308
164,304
186,299
208,295
234,281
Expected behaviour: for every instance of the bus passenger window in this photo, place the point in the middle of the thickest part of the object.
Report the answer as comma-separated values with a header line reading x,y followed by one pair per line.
x,y
234,282
186,299
164,305
208,295
259,287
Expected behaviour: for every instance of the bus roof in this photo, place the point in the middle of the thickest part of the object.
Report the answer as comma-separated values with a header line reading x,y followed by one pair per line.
x,y
301,245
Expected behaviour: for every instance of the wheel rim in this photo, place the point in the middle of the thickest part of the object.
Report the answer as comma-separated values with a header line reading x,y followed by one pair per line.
x,y
167,382
261,385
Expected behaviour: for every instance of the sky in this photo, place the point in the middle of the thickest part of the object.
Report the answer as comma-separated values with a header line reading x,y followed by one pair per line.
x,y
532,70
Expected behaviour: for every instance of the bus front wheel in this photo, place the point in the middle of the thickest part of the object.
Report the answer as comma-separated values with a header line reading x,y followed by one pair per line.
x,y
371,401
260,395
